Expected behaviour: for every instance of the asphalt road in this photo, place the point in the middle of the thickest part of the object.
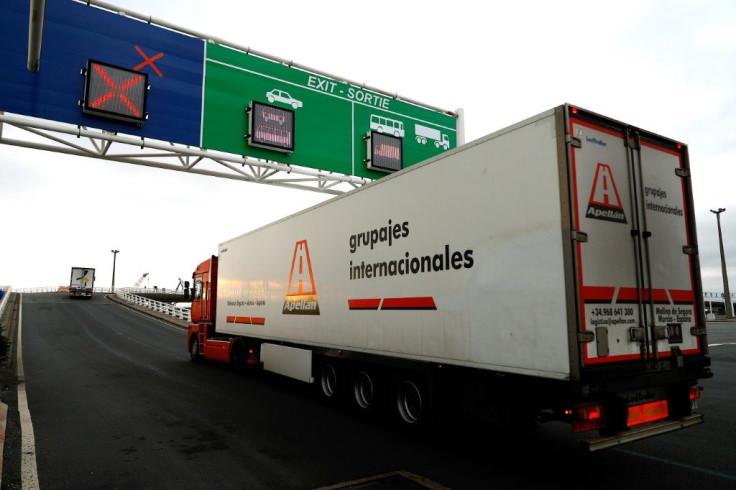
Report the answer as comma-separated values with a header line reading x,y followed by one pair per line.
x,y
116,403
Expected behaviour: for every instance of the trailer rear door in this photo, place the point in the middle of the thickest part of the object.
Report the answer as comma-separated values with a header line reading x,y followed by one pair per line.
x,y
636,275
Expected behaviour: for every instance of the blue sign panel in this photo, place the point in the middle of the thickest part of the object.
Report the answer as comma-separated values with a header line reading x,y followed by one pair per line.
x,y
75,33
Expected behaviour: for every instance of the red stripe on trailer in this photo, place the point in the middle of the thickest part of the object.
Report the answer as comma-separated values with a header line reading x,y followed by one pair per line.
x,y
246,320
419,303
629,295
598,294
609,359
659,296
364,304
682,296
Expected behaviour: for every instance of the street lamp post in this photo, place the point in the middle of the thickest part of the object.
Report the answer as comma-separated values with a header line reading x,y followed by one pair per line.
x,y
114,256
726,292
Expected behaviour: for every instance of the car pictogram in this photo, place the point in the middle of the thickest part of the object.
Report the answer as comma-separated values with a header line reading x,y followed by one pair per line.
x,y
276,95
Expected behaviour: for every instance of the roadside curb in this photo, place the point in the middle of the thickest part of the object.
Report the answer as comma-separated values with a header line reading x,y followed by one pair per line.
x,y
149,312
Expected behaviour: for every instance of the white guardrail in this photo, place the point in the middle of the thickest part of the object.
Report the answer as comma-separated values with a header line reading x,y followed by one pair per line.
x,y
65,289
166,308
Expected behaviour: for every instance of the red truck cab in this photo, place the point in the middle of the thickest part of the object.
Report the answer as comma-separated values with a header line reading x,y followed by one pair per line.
x,y
202,338
205,291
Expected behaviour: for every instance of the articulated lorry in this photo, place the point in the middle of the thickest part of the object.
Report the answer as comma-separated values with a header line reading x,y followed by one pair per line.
x,y
82,282
547,271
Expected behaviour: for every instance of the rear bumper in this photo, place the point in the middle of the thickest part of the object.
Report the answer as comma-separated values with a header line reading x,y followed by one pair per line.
x,y
643,432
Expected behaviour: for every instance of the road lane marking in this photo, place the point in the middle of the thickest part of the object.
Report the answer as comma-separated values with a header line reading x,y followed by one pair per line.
x,y
28,467
686,466
394,479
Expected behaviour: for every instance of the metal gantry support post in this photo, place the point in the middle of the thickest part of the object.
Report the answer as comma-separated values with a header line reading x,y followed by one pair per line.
x,y
726,293
114,257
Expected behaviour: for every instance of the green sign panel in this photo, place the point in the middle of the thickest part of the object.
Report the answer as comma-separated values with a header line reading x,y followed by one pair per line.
x,y
330,119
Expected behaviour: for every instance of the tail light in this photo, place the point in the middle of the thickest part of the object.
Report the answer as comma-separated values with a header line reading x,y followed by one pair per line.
x,y
695,396
589,417
695,393
253,357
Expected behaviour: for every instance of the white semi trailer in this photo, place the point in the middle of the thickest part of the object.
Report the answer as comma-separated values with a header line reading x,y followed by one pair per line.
x,y
557,277
82,282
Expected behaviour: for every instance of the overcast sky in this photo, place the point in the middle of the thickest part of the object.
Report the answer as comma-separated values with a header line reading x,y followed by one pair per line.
x,y
665,66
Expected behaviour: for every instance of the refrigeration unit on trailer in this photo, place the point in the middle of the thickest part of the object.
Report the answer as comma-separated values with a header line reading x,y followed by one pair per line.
x,y
82,282
548,270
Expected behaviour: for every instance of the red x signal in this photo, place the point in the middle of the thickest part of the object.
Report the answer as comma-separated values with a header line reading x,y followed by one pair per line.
x,y
149,61
116,91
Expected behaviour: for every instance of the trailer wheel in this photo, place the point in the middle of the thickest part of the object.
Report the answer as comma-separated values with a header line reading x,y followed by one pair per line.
x,y
411,402
365,391
329,381
194,348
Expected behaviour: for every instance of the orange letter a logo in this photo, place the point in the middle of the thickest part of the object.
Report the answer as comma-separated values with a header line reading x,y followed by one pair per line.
x,y
301,294
604,202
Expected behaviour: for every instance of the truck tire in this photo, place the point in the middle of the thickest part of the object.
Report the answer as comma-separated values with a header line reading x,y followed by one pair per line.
x,y
365,391
194,348
329,381
410,400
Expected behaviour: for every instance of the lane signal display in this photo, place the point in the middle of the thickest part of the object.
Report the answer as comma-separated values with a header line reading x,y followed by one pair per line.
x,y
114,92
385,152
271,127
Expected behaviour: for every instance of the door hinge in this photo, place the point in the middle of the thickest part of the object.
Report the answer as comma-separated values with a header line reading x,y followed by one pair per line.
x,y
689,250
631,140
678,361
585,337
601,341
573,141
682,172
636,334
697,331
579,236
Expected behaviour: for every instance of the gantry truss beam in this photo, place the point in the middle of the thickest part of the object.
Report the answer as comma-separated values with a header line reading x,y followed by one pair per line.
x,y
46,135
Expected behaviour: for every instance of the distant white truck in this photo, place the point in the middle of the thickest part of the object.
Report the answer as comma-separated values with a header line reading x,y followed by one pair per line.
x,y
423,133
82,282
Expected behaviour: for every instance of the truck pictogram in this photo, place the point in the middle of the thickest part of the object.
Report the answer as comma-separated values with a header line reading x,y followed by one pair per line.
x,y
424,133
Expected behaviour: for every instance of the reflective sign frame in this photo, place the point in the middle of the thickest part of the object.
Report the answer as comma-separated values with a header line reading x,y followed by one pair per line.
x,y
385,152
115,92
270,127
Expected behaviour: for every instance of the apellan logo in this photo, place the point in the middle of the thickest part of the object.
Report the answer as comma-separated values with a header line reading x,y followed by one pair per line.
x,y
604,202
301,295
